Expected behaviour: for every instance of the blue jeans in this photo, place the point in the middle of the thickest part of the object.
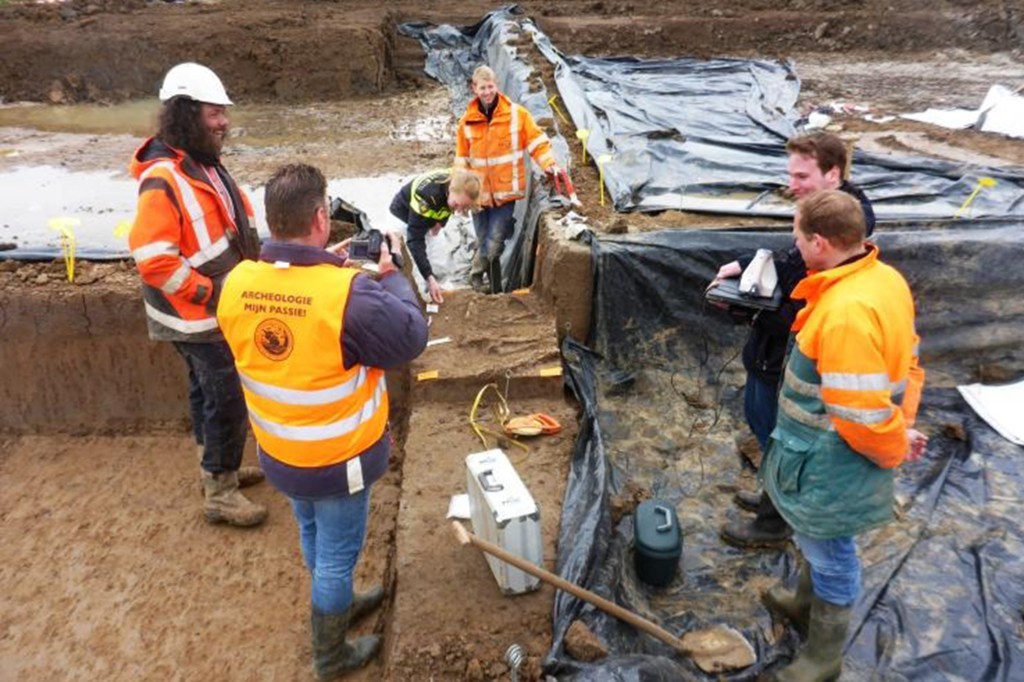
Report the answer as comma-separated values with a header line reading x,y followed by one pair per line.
x,y
835,568
331,533
493,227
761,408
219,416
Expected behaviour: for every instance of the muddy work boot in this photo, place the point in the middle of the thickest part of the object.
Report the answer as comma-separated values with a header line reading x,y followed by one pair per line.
x,y
822,659
364,603
748,501
767,531
247,476
792,605
225,504
332,655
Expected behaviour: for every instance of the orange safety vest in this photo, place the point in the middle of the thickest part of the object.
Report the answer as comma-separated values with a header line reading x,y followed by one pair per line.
x,y
858,331
284,327
495,149
184,237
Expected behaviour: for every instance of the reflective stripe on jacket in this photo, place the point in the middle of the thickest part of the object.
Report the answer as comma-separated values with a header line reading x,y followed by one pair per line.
x,y
184,240
437,181
850,391
284,327
495,149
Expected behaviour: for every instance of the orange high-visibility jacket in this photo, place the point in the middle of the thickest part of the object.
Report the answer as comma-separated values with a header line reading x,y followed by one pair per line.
x,y
858,330
284,327
496,149
184,240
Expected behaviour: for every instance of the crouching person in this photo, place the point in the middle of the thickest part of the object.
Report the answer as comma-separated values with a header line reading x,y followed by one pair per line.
x,y
311,339
849,397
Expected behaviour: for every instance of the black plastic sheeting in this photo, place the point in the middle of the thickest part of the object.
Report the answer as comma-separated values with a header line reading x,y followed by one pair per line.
x,y
709,135
453,53
943,585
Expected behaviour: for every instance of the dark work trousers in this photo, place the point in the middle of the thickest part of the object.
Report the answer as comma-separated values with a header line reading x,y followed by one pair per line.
x,y
761,408
493,228
219,416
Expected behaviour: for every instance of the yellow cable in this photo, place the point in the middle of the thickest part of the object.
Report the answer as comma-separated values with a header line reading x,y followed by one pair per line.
x,y
501,414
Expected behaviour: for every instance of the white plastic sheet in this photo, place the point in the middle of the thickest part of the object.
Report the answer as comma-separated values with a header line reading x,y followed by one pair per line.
x,y
1001,112
1000,406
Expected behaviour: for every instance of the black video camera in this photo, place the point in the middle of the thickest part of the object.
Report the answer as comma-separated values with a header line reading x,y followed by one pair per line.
x,y
367,247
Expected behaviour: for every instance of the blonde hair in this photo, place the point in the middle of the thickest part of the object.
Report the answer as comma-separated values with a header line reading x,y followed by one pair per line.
x,y
484,73
835,215
466,182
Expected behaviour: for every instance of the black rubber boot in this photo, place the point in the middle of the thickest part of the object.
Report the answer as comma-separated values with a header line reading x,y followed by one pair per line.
x,y
822,659
332,655
748,501
793,605
366,602
494,274
768,530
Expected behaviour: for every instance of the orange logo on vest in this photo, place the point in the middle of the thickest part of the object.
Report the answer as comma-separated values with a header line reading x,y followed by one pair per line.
x,y
274,339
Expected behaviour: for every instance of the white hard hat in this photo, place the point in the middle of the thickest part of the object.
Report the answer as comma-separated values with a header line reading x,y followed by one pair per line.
x,y
194,81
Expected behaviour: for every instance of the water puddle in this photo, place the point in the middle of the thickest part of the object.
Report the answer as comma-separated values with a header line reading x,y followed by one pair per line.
x,y
252,125
95,203
100,207
431,129
137,117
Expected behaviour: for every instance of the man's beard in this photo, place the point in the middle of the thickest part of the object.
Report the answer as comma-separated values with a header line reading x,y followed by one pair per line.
x,y
208,149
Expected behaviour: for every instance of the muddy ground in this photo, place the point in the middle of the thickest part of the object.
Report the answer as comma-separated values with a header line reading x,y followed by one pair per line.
x,y
107,570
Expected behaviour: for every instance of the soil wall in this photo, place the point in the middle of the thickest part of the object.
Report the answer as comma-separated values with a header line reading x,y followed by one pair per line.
x,y
77,360
563,277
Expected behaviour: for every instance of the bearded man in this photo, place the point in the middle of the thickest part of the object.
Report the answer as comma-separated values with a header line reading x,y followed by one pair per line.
x,y
192,226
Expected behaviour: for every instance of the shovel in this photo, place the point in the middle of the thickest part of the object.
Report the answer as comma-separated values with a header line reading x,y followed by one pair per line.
x,y
715,650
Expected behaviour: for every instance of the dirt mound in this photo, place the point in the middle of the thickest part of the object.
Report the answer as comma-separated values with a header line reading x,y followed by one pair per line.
x,y
108,50
70,10
304,51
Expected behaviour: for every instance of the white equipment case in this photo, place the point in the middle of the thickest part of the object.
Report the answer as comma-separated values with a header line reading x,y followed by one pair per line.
x,y
503,512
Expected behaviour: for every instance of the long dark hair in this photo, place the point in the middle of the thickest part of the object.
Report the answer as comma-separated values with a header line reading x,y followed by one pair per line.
x,y
180,125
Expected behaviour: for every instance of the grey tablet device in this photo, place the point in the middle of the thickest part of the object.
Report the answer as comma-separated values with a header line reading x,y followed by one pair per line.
x,y
728,292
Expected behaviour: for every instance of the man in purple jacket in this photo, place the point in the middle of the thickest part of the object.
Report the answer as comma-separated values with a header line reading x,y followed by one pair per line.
x,y
312,339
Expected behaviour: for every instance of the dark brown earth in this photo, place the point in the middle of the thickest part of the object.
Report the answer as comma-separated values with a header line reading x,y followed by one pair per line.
x,y
305,50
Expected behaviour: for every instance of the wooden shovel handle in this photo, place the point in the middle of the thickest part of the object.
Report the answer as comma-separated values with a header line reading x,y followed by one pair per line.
x,y
467,538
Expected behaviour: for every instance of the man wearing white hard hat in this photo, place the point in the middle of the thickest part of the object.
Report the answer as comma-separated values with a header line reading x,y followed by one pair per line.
x,y
193,225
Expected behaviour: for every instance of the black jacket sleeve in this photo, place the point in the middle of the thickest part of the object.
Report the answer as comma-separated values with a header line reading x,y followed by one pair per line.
x,y
416,238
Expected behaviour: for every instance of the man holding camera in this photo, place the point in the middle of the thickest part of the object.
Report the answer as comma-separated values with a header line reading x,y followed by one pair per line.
x,y
816,162
312,339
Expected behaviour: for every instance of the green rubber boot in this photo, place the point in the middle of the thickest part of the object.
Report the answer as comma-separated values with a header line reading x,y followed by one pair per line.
x,y
364,603
332,655
793,605
821,660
